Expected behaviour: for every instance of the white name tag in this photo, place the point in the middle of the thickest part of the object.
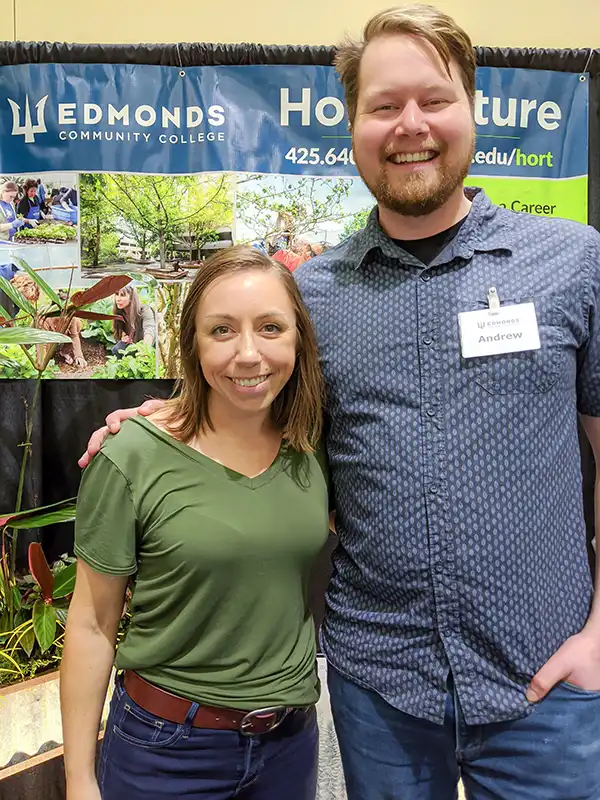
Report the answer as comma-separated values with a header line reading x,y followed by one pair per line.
x,y
507,329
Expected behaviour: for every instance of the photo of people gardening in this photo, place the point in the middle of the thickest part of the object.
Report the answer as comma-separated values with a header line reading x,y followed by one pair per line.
x,y
159,225
293,218
289,218
38,209
111,327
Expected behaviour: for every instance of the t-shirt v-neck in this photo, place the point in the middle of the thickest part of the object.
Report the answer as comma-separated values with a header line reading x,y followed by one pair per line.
x,y
216,467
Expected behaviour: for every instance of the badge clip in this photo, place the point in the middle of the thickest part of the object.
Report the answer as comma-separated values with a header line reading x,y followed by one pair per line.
x,y
493,300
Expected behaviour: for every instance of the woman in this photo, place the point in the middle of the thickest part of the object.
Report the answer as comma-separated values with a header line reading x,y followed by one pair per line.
x,y
218,505
136,322
9,223
29,206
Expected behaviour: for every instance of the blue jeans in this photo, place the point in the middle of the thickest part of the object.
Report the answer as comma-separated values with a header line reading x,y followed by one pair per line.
x,y
146,758
553,754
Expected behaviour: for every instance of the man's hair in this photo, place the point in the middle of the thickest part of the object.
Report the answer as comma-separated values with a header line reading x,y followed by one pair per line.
x,y
424,21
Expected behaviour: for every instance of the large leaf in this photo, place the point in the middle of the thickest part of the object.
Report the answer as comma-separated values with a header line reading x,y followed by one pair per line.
x,y
63,511
64,582
16,296
16,598
30,336
44,624
38,566
95,315
104,288
27,641
61,615
84,314
5,626
40,282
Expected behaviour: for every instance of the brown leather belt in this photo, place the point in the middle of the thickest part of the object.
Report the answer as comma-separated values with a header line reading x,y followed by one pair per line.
x,y
169,706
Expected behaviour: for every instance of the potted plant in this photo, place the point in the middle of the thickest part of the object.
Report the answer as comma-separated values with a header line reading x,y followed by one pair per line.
x,y
34,601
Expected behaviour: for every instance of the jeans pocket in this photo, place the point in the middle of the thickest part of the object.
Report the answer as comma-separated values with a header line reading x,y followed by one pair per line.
x,y
140,728
572,687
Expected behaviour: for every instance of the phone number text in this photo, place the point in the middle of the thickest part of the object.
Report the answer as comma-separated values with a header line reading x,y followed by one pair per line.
x,y
316,155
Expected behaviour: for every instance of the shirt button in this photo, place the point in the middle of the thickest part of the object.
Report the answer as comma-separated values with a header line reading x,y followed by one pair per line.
x,y
427,340
433,489
430,410
425,276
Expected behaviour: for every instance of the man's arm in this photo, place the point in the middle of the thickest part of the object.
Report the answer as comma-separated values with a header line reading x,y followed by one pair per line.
x,y
591,426
113,425
578,659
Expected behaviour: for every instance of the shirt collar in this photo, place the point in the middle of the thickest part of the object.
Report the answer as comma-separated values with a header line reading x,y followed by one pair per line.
x,y
486,229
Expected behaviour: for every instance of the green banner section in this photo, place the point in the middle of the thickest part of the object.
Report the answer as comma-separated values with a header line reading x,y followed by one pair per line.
x,y
567,197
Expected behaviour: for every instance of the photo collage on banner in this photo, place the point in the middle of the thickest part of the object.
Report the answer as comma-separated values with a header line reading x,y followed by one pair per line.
x,y
149,185
157,230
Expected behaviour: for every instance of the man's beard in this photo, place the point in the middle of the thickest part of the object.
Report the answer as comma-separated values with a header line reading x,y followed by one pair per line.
x,y
417,196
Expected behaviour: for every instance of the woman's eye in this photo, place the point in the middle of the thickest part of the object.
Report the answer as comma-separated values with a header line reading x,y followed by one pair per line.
x,y
271,327
220,330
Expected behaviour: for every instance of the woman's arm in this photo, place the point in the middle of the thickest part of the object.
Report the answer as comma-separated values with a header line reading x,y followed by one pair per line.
x,y
148,325
88,656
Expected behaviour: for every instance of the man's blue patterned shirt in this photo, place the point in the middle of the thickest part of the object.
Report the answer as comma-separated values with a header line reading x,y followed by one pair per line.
x,y
457,482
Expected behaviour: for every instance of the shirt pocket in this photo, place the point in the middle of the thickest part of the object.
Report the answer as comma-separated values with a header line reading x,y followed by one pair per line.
x,y
526,372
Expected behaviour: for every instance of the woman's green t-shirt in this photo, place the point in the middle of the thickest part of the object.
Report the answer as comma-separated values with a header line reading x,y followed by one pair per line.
x,y
221,563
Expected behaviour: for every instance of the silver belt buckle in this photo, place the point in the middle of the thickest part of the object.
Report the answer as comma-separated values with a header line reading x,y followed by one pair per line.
x,y
279,714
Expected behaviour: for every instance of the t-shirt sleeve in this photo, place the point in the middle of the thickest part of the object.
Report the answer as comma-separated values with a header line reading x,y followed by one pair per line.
x,y
105,520
588,377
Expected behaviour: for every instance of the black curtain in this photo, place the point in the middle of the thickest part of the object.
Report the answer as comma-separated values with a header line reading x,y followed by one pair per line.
x,y
69,410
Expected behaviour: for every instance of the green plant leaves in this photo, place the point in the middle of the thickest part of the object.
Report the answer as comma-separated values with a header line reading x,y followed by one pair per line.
x,y
16,297
30,336
64,582
61,615
44,624
27,641
64,511
40,282
5,657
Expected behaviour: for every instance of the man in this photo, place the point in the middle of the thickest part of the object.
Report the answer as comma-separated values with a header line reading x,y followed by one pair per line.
x,y
462,633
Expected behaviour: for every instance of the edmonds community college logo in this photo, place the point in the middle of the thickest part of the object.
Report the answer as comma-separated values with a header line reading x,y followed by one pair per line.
x,y
28,129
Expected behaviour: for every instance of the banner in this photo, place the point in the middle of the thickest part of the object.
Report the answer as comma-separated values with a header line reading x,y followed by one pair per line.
x,y
148,170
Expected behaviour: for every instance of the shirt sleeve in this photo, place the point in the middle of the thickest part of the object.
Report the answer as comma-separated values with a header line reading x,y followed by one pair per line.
x,y
105,520
148,322
588,372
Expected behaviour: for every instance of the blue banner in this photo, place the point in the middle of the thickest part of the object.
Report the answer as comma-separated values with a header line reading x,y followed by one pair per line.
x,y
264,119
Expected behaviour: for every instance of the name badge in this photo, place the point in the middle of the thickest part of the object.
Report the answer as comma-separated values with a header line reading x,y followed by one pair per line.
x,y
498,329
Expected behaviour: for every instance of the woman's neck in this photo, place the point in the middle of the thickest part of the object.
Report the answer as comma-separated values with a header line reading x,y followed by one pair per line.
x,y
234,426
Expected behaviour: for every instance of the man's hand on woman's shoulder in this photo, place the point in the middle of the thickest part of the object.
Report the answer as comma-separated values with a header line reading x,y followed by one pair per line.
x,y
113,425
